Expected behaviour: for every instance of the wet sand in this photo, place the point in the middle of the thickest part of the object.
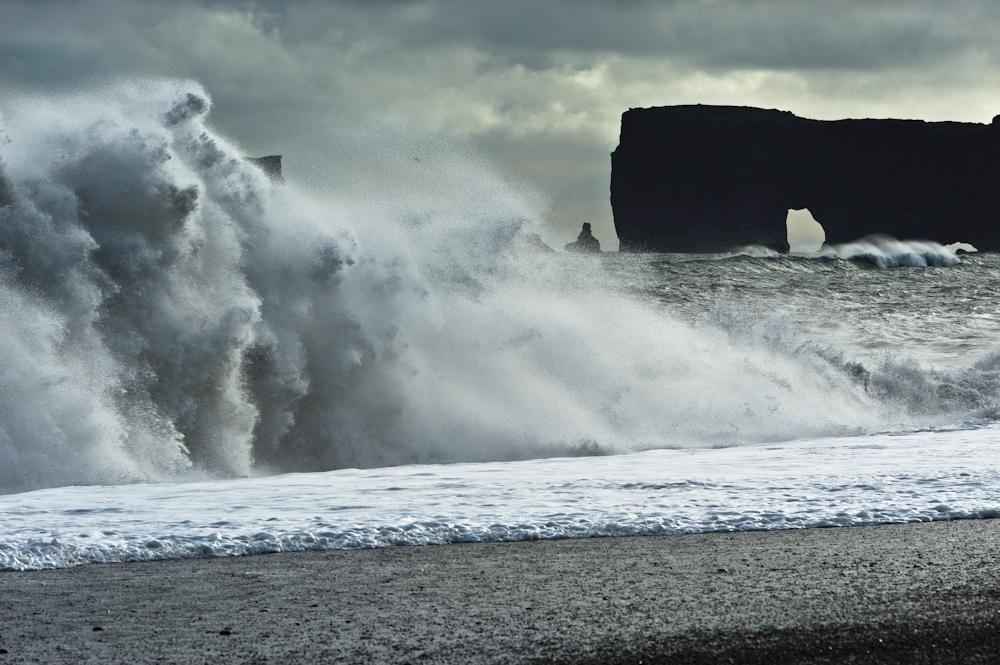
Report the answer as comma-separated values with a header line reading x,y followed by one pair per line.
x,y
922,593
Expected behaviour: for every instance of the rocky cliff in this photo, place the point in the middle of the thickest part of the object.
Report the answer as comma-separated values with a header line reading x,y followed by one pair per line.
x,y
710,178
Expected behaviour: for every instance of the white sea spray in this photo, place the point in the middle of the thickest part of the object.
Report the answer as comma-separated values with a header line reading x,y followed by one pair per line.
x,y
170,312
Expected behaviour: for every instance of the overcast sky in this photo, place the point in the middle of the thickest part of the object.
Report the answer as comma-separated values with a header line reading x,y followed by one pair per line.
x,y
537,88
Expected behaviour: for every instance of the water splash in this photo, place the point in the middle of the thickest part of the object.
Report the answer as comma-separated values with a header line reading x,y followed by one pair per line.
x,y
169,311
884,251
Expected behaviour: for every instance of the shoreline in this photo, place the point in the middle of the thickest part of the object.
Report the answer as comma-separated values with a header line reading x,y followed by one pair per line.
x,y
907,593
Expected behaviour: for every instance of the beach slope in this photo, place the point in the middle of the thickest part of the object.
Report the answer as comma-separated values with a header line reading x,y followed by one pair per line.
x,y
920,593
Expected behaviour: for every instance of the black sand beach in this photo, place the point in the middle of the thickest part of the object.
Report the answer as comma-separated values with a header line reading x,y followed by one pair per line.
x,y
923,593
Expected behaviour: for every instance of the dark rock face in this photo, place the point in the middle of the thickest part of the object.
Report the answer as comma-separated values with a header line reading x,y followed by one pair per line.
x,y
6,192
270,164
710,178
585,243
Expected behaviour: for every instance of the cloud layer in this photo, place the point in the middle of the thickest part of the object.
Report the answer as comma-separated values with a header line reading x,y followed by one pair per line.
x,y
352,91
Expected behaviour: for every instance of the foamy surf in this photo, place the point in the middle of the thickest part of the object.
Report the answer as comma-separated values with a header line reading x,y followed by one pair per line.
x,y
878,479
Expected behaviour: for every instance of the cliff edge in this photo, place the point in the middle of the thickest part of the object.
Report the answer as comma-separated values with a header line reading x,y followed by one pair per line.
x,y
710,178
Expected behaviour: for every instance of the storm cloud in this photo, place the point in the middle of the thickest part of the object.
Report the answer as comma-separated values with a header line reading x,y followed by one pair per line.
x,y
352,91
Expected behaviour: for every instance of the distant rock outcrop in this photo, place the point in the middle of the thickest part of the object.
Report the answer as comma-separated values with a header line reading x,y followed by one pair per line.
x,y
710,178
269,164
6,191
585,243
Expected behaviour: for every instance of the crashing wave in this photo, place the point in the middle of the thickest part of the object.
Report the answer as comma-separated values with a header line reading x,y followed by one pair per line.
x,y
886,252
168,310
880,251
961,247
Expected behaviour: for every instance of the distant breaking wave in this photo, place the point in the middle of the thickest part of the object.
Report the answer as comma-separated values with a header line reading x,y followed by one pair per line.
x,y
169,312
886,252
880,251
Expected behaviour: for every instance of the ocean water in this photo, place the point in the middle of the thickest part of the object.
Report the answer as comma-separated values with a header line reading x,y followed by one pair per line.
x,y
197,361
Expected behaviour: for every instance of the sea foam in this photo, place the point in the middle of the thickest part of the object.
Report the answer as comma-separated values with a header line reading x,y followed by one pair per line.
x,y
851,481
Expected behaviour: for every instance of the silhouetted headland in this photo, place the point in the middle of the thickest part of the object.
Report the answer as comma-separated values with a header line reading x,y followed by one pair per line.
x,y
710,178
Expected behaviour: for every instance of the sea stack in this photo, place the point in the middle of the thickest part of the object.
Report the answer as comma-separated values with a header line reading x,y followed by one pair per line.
x,y
585,243
269,164
712,178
